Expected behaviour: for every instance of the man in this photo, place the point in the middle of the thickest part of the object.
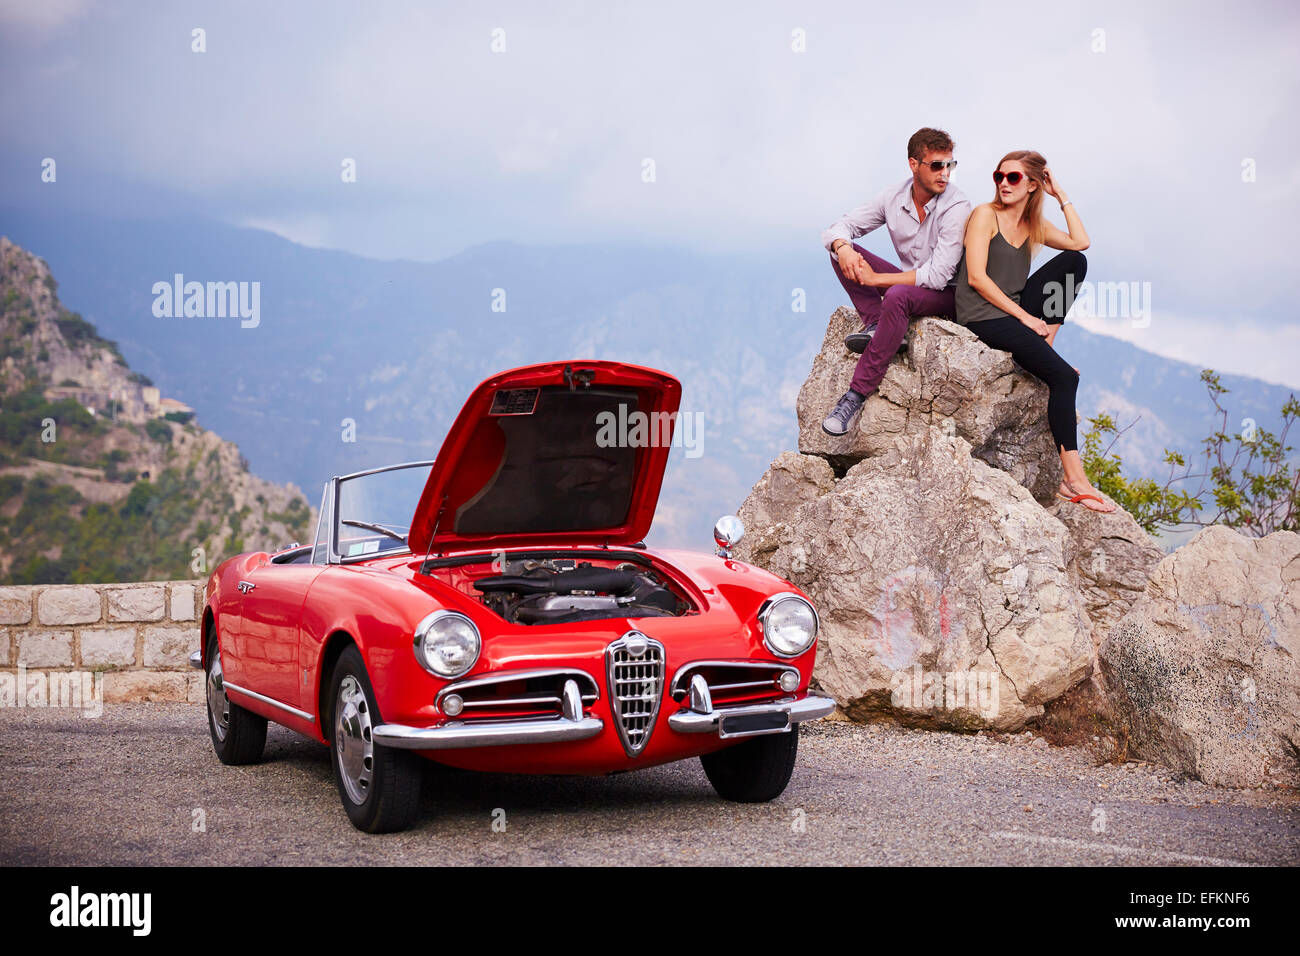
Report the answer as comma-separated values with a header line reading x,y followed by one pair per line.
x,y
926,219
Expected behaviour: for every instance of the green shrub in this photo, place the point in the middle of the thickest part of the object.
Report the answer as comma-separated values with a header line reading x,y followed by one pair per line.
x,y
21,418
1250,480
141,538
159,431
75,329
11,486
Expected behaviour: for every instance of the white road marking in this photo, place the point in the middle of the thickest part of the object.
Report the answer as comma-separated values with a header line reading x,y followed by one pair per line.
x,y
1121,850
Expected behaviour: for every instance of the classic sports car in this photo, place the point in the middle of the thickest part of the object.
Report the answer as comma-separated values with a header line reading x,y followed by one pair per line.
x,y
515,622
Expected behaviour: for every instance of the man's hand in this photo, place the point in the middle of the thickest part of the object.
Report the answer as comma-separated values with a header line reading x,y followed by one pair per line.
x,y
855,267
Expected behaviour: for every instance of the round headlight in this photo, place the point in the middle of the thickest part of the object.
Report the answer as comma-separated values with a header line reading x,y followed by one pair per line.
x,y
789,624
446,643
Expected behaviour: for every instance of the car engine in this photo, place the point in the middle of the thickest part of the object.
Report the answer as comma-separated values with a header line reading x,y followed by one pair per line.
x,y
556,591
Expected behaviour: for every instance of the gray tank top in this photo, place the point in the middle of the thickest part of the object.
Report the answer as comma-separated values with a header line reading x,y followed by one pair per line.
x,y
1007,266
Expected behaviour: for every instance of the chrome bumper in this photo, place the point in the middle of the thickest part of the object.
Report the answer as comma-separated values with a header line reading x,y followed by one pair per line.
x,y
456,734
749,720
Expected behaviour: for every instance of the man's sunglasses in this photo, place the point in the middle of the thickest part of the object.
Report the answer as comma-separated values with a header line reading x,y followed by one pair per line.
x,y
1013,179
939,164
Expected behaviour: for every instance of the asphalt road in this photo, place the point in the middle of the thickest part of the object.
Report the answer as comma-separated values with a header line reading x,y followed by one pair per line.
x,y
129,786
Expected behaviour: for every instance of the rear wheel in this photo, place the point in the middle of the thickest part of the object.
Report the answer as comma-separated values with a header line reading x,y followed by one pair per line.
x,y
238,735
755,770
379,786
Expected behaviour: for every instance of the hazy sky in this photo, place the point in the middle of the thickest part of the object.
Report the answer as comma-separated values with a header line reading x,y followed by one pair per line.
x,y
1171,126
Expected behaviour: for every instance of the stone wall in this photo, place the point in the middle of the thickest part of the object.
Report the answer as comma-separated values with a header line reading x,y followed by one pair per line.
x,y
139,635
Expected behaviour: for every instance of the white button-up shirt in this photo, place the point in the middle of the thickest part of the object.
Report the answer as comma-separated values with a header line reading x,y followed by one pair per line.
x,y
933,248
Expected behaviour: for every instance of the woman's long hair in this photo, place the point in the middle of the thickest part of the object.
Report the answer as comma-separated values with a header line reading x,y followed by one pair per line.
x,y
1034,164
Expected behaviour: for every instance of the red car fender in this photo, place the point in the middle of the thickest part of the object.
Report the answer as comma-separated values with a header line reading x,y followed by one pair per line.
x,y
744,587
378,611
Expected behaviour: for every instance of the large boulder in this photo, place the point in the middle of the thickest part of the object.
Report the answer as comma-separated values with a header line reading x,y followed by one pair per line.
x,y
946,377
1204,667
1110,558
932,542
789,481
944,589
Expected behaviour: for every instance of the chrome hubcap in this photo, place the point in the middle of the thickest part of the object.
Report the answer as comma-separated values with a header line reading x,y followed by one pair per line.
x,y
218,703
353,739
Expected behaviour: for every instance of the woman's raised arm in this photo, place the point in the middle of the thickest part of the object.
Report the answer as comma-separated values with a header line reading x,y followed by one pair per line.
x,y
1077,237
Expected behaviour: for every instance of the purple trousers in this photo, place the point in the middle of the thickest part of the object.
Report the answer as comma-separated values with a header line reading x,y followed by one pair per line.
x,y
890,313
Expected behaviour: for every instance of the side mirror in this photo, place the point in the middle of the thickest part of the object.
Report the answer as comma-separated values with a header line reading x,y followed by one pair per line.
x,y
727,533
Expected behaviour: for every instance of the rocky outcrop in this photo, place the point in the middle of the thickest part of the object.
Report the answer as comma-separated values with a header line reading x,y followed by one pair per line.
x,y
947,378
954,590
101,454
1204,668
792,480
943,588
43,343
1110,559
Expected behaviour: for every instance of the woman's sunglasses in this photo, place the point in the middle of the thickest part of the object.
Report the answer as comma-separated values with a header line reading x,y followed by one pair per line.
x,y
1013,179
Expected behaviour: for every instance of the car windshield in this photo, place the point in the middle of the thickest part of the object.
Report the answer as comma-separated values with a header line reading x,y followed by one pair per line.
x,y
375,508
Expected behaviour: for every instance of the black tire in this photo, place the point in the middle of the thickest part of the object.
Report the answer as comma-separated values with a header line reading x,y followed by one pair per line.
x,y
381,795
755,770
238,735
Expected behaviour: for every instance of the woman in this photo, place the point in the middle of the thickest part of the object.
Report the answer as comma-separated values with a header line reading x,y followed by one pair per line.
x,y
1016,312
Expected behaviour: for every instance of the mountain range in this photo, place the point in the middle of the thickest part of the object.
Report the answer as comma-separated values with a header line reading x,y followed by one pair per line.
x,y
353,363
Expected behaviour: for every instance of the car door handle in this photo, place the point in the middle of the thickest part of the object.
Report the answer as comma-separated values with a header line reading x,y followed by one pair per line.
x,y
246,586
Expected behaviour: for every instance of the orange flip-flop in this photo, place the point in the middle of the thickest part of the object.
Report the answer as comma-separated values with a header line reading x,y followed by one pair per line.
x,y
1077,498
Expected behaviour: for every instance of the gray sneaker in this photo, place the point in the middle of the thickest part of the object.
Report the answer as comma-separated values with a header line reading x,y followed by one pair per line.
x,y
837,422
858,341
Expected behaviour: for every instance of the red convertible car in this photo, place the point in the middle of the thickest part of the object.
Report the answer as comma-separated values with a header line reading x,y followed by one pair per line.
x,y
497,610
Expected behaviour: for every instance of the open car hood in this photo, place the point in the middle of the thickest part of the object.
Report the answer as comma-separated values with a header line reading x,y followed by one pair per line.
x,y
559,453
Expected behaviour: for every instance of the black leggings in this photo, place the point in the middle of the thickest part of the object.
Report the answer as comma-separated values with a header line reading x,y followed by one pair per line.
x,y
1048,295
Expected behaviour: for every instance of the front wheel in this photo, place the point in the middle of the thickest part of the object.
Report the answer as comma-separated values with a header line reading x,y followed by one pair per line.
x,y
238,735
379,786
756,770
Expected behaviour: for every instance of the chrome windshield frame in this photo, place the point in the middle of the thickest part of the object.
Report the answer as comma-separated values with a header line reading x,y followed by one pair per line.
x,y
334,484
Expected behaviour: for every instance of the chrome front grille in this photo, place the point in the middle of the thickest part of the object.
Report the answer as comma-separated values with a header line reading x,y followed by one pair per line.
x,y
636,682
515,694
733,682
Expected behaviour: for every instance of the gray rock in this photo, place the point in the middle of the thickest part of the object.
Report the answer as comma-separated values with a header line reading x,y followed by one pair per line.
x,y
68,605
932,559
943,587
1204,667
140,603
1111,559
947,378
791,480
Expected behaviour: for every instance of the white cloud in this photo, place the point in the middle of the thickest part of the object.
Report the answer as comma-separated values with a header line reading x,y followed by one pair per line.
x,y
41,14
313,231
754,143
